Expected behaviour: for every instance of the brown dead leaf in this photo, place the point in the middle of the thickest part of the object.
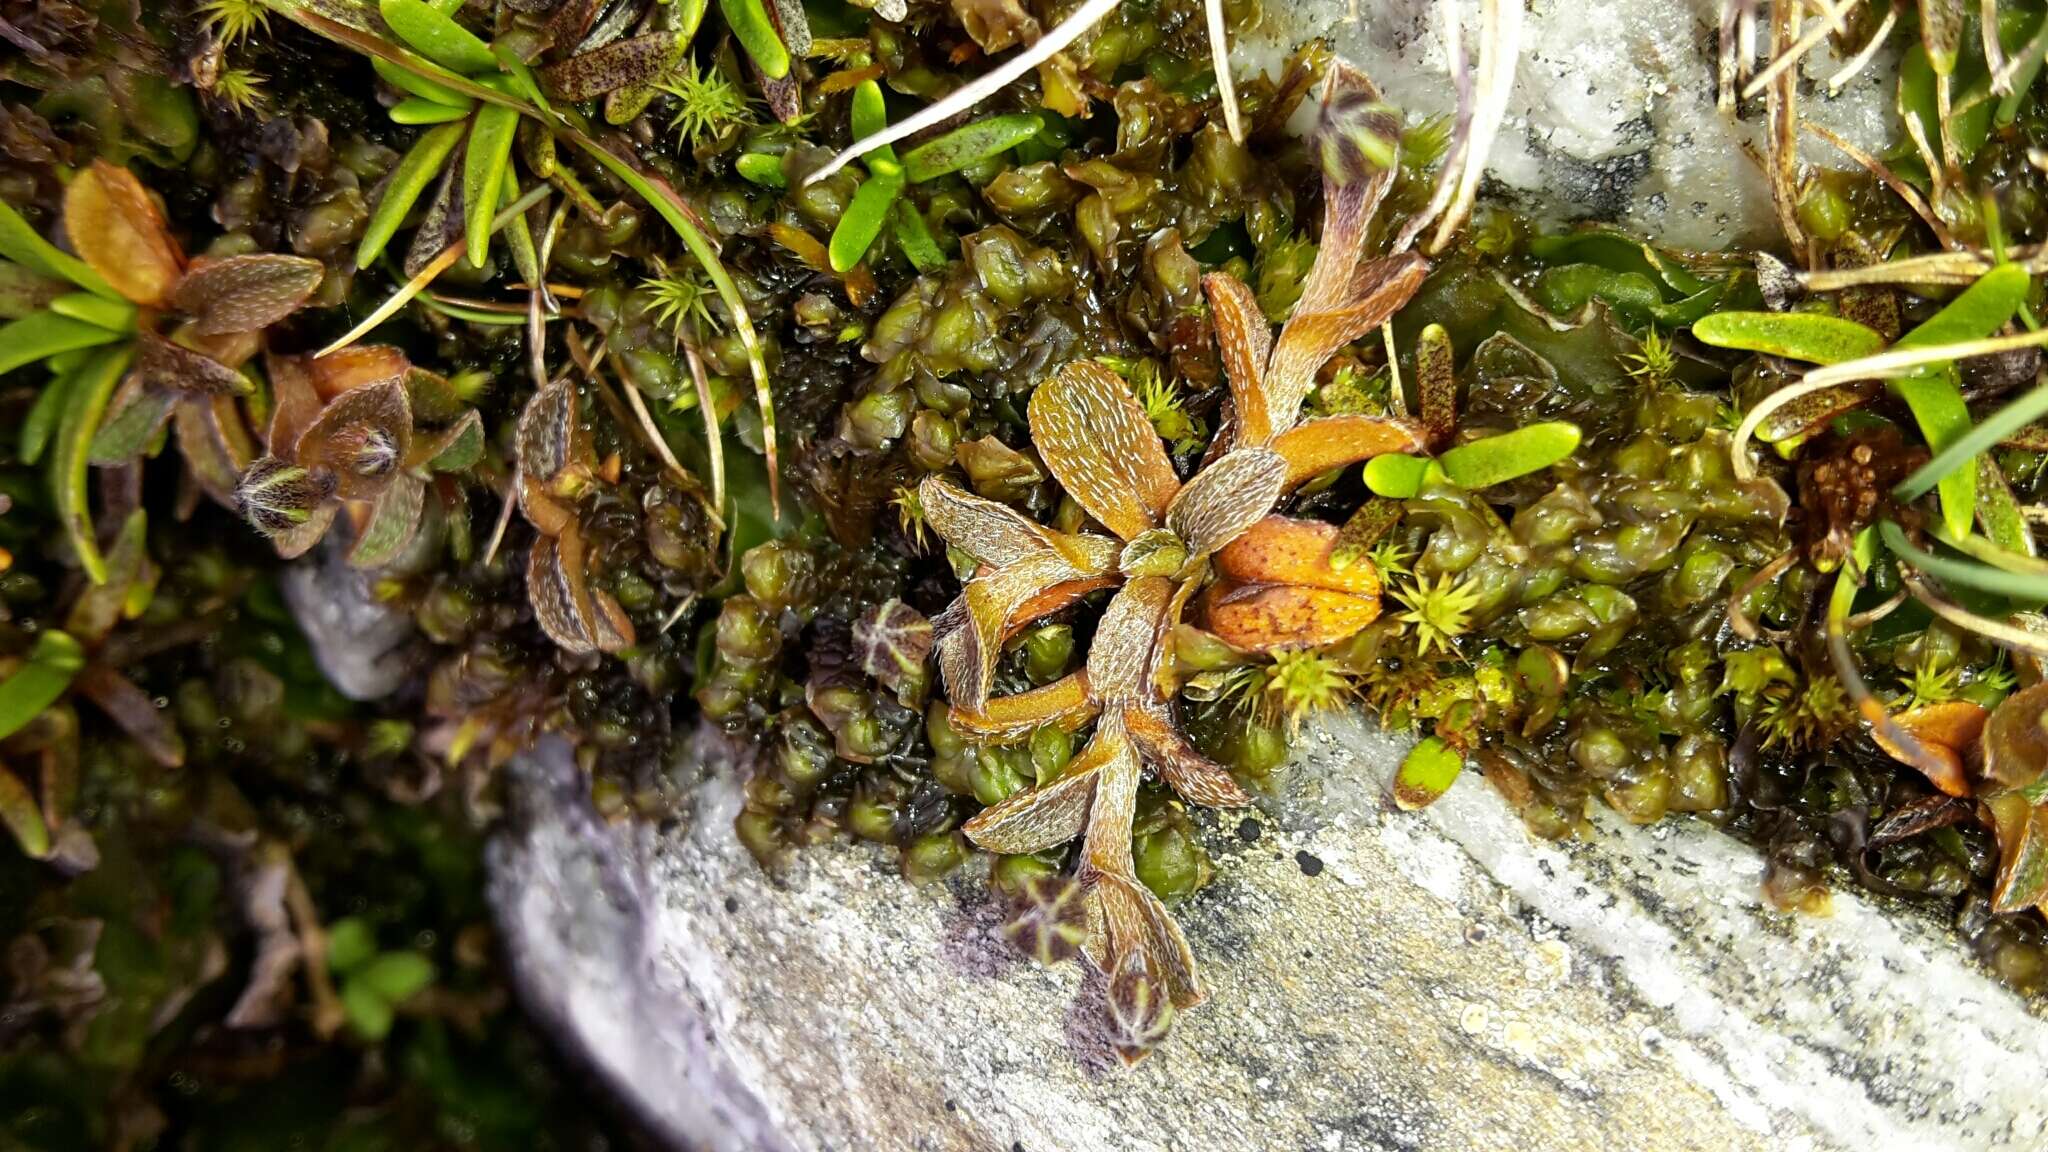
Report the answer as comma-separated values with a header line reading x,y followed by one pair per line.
x,y
115,227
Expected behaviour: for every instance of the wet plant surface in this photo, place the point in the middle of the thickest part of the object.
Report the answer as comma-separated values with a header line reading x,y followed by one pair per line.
x,y
1009,491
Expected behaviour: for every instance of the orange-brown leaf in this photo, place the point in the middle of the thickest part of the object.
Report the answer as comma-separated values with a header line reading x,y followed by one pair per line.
x,y
1120,658
362,437
1245,342
357,366
1374,294
1092,433
1198,779
1034,821
1262,618
1136,923
1947,731
1064,702
997,534
2015,742
245,293
115,227
294,404
1317,446
1227,497
1283,550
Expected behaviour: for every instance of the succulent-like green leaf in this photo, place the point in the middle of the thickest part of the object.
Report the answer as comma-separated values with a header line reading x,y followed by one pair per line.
x,y
1532,448
863,219
41,421
761,168
435,35
414,112
483,175
23,818
1396,475
755,30
46,334
1426,773
968,144
397,976
113,315
51,666
1814,337
21,244
915,238
128,433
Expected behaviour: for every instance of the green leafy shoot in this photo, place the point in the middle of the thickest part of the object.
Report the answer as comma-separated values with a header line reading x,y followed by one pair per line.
x,y
707,103
239,90
1438,612
1654,359
681,301
1165,408
232,21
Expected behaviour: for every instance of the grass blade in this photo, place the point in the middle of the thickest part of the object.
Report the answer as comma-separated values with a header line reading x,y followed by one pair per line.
x,y
41,679
21,244
2026,586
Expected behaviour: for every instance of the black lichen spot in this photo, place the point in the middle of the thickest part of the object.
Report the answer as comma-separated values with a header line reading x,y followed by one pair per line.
x,y
1310,866
732,904
1248,830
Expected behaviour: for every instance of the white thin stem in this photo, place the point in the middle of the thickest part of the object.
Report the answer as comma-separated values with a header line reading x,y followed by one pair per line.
x,y
1397,396
651,430
1994,52
1500,46
714,439
1219,57
1461,128
978,89
1997,631
504,517
1900,361
1790,56
1865,54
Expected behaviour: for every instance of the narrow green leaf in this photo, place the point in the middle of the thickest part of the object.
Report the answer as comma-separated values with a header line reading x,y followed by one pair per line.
x,y
968,144
40,680
863,219
1977,311
2028,71
1976,438
23,818
1426,773
870,114
21,244
756,33
415,84
1483,463
915,238
1998,511
41,420
1935,393
483,175
762,168
1396,475
47,334
1967,573
85,404
435,35
421,164
1811,336
113,315
398,976
518,234
414,112
127,434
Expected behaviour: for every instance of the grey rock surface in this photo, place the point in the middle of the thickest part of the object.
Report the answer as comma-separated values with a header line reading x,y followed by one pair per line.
x,y
359,642
1380,980
1613,112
